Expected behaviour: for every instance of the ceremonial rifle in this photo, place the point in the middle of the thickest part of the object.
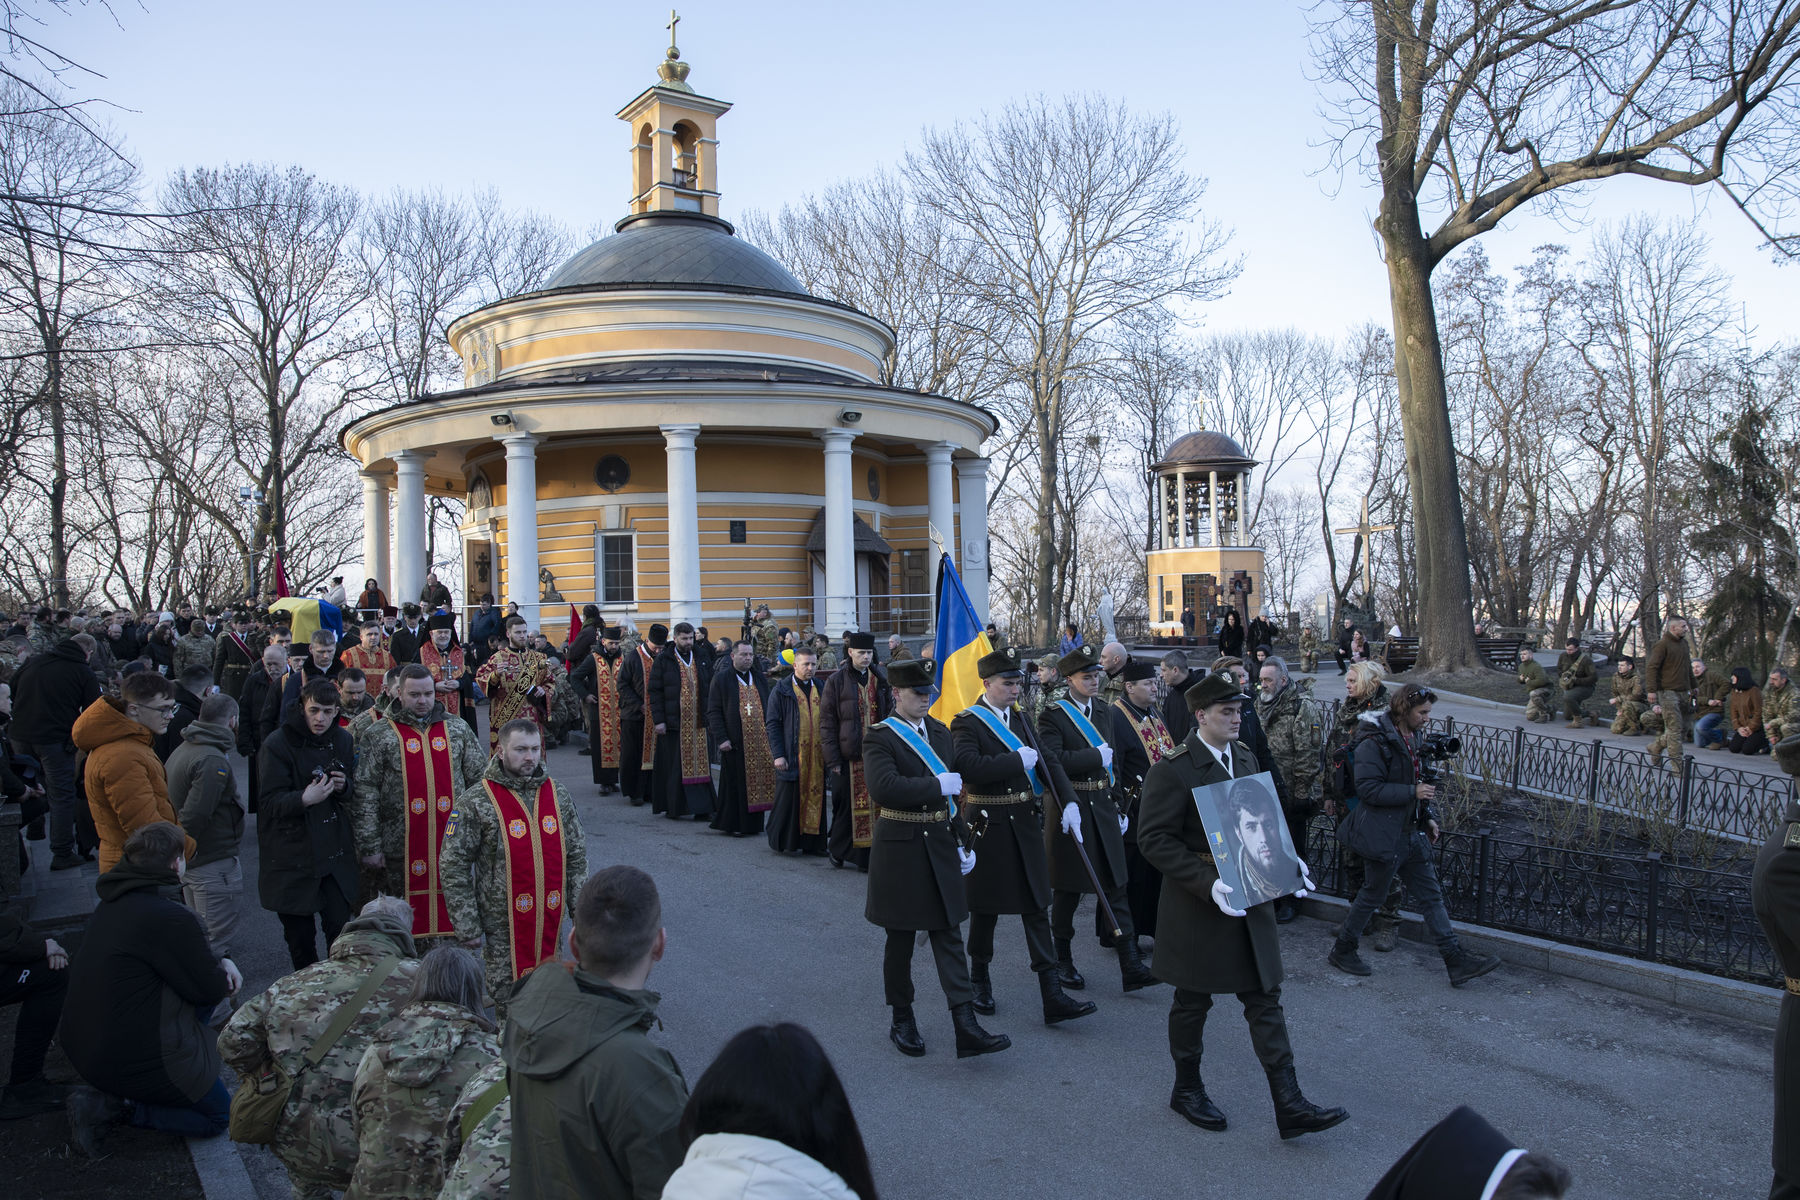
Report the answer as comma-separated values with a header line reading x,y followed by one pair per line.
x,y
1050,777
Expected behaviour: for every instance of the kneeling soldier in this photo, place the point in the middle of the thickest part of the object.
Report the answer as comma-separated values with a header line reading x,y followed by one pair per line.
x,y
916,860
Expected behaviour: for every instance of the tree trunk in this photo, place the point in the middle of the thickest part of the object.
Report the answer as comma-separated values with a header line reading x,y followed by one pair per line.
x,y
1045,634
1440,541
59,482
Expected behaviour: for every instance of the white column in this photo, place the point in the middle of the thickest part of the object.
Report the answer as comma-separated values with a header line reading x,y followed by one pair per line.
x,y
684,524
1212,504
972,506
409,526
522,526
375,532
840,534
1181,510
939,501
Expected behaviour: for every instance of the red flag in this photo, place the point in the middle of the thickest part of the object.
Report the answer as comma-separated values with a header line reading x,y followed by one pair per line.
x,y
574,626
281,584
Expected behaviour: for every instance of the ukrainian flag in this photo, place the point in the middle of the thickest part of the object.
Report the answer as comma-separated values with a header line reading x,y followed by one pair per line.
x,y
310,616
961,642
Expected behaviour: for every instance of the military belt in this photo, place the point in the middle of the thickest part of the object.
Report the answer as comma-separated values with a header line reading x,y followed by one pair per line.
x,y
1793,986
1090,785
999,801
919,818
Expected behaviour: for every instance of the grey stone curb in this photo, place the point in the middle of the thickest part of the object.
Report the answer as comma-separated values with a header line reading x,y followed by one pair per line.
x,y
223,1175
1709,994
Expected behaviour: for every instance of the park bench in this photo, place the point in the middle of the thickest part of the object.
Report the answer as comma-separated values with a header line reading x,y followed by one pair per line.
x,y
1403,652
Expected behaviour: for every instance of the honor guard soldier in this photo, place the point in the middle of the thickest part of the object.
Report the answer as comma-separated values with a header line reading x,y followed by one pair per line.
x,y
917,861
1076,732
1204,945
994,753
1775,894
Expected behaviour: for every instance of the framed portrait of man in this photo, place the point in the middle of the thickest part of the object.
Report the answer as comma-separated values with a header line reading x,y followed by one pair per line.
x,y
1249,839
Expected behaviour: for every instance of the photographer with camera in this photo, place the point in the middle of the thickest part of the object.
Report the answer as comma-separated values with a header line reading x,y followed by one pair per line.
x,y
1393,828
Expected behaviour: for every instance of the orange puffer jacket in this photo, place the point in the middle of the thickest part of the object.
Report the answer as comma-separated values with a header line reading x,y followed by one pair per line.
x,y
126,787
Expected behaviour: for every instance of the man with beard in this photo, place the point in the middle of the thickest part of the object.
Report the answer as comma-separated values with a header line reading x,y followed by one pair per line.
x,y
517,682
677,705
736,709
637,732
412,768
447,664
1007,788
513,861
596,675
1627,698
1295,729
1669,688
1575,676
370,653
1142,741
856,697
353,689
797,823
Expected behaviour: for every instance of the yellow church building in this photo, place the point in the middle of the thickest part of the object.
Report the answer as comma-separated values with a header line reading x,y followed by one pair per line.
x,y
673,424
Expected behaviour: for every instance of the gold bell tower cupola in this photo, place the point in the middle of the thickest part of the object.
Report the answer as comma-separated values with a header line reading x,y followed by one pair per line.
x,y
674,141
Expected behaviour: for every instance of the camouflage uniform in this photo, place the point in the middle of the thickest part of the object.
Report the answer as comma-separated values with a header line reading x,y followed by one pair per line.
x,y
565,701
365,720
482,1167
379,809
1537,685
828,659
1628,701
1040,697
193,650
472,869
1295,728
405,1092
1780,715
765,637
1309,650
1112,689
314,1139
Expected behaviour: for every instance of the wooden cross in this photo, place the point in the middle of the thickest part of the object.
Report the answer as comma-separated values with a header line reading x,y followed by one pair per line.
x,y
674,20
1364,530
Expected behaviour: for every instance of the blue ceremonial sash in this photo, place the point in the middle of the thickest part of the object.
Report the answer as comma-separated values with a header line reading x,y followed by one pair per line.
x,y
922,748
1007,737
1087,731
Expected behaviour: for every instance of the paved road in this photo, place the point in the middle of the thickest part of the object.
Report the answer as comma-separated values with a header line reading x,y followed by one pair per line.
x,y
1639,1099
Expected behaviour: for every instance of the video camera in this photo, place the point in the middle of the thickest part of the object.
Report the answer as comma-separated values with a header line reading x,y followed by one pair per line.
x,y
1436,748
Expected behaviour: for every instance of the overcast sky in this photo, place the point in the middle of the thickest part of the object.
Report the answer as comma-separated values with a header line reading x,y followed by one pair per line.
x,y
520,97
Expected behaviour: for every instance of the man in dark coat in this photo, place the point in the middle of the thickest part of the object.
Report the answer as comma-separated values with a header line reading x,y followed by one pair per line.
x,y
405,641
637,734
191,691
253,704
133,1024
1775,895
321,662
856,697
1143,740
995,752
1204,945
235,656
737,708
49,692
917,862
677,705
1347,637
1077,736
304,834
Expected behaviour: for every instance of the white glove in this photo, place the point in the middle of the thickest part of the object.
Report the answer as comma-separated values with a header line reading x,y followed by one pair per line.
x,y
1027,758
1124,824
950,783
1220,892
1071,820
1106,757
1306,880
967,859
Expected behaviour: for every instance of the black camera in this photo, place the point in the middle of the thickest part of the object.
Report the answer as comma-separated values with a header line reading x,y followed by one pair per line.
x,y
1436,748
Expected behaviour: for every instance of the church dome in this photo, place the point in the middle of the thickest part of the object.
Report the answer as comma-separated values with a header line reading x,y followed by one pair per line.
x,y
674,249
1206,448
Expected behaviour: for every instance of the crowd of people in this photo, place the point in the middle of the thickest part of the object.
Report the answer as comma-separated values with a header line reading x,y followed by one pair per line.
x,y
441,869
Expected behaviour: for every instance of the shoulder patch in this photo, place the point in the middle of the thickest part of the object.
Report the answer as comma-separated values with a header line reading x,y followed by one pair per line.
x,y
1178,751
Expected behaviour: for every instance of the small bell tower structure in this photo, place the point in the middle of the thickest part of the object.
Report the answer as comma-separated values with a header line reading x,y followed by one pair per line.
x,y
674,141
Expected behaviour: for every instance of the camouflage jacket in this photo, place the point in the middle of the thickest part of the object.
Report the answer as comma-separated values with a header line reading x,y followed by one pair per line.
x,y
765,636
405,1092
565,701
1778,707
1295,728
1112,689
1043,697
315,1138
379,809
482,1165
193,650
1574,670
1309,638
1343,730
1627,687
363,721
472,862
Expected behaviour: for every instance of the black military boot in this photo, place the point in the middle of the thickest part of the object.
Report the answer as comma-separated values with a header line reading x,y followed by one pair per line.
x,y
971,1038
1464,966
1066,973
904,1033
1131,967
1190,1099
1344,957
984,988
1294,1113
1058,1006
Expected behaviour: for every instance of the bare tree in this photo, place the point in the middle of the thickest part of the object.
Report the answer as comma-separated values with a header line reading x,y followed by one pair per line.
x,y
1266,386
1463,112
1154,398
515,251
1073,215
1348,455
1289,533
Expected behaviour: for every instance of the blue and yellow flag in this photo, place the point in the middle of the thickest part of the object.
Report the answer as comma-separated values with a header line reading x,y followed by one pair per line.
x,y
310,616
961,642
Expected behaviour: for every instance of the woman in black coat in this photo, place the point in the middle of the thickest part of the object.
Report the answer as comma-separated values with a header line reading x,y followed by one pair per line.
x,y
307,775
1231,636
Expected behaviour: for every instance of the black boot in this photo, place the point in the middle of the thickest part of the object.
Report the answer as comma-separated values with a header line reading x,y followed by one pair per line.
x,y
904,1032
1066,974
1058,1006
1464,966
91,1113
1294,1113
1286,910
984,988
1344,957
1190,1099
971,1038
1132,969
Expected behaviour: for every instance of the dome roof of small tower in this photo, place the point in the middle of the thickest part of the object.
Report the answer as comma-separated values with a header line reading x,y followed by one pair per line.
x,y
1206,448
674,249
